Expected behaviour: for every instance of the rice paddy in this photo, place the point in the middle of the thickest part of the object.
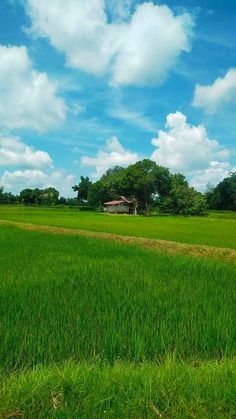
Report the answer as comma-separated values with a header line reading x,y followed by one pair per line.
x,y
92,328
214,229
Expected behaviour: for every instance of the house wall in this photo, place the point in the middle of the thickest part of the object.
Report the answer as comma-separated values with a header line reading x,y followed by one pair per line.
x,y
118,209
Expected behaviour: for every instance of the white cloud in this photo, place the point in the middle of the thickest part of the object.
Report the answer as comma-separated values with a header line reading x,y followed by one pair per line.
x,y
13,152
36,168
139,51
150,45
114,154
212,175
187,149
77,28
211,98
28,99
184,147
21,179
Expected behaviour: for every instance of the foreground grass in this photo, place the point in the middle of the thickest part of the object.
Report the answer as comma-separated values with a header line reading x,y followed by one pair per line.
x,y
212,230
124,390
91,328
67,297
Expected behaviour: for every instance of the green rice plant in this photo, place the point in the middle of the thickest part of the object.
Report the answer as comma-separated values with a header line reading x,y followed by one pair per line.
x,y
69,297
213,230
123,390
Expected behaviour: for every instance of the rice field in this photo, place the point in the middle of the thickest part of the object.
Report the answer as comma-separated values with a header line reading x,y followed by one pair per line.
x,y
215,229
124,390
92,328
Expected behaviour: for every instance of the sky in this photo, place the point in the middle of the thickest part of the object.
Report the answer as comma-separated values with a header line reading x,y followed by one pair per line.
x,y
89,84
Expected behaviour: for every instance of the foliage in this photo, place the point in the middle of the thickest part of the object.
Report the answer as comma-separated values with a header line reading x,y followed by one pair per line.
x,y
223,196
7,197
82,189
145,179
182,199
109,187
148,183
37,196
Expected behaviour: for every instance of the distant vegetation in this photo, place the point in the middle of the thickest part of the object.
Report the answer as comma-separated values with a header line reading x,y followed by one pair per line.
x,y
223,196
152,185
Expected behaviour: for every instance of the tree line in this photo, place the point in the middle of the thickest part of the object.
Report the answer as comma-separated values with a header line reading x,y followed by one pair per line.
x,y
152,185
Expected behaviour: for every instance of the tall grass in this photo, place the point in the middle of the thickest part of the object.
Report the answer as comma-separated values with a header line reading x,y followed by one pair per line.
x,y
65,297
124,390
210,231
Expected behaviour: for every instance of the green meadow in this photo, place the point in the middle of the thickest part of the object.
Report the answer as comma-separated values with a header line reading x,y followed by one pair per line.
x,y
92,328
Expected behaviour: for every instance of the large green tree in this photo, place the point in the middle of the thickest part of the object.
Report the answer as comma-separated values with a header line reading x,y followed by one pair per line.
x,y
110,186
82,189
148,183
48,196
144,180
182,199
7,197
223,196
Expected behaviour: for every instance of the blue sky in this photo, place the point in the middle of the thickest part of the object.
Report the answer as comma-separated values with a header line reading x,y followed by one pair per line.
x,y
85,86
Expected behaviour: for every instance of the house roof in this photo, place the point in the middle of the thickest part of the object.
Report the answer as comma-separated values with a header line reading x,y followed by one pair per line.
x,y
117,202
129,199
123,200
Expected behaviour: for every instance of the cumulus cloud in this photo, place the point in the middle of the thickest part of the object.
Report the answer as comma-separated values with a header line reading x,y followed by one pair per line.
x,y
35,168
77,28
212,175
20,179
14,152
150,45
186,148
114,154
138,51
28,99
211,98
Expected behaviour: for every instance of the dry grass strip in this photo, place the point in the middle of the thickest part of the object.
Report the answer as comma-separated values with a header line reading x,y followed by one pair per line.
x,y
154,244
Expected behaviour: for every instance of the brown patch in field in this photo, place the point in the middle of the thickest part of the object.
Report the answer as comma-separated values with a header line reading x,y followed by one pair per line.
x,y
154,244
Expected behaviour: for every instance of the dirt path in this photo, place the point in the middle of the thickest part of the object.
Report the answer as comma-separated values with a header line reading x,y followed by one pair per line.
x,y
155,244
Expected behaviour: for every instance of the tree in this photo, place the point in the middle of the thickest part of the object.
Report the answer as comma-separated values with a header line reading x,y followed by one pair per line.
x,y
182,199
223,196
48,196
144,180
26,196
113,182
97,194
209,194
82,189
1,194
110,186
7,197
62,201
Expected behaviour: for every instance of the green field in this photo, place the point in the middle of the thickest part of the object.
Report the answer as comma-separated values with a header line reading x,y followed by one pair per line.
x,y
216,229
91,328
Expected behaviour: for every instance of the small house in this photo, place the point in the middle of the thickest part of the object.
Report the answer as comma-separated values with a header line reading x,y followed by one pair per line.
x,y
123,205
